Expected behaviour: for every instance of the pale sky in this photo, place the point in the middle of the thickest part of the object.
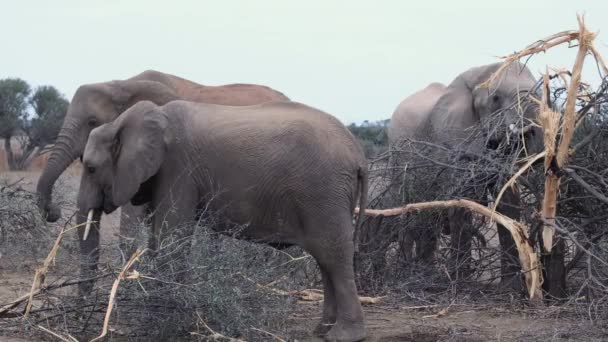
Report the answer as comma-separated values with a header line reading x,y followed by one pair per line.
x,y
354,59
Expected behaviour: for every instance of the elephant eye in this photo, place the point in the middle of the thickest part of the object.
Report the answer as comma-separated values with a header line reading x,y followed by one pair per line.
x,y
92,122
495,98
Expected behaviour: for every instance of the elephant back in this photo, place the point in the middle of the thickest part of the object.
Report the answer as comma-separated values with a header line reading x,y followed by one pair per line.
x,y
412,113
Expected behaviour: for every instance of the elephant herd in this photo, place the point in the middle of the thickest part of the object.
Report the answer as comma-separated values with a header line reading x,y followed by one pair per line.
x,y
284,172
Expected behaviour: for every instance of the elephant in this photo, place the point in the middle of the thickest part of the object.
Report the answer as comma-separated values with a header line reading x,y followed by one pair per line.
x,y
287,173
445,116
99,103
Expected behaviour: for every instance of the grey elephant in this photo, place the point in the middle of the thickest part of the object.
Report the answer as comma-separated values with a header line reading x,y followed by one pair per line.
x,y
99,103
446,116
287,173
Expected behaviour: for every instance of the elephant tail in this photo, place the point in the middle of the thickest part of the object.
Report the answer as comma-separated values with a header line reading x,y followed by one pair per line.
x,y
362,185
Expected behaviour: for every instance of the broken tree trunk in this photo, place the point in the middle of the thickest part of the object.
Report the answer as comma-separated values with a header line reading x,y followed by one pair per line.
x,y
555,161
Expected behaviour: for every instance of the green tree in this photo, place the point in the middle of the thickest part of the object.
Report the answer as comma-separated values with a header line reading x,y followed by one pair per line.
x,y
31,119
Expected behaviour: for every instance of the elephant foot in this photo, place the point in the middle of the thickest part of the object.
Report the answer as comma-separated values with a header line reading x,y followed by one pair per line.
x,y
323,328
85,287
346,332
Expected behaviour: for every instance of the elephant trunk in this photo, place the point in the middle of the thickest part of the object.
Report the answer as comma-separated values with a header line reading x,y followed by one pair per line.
x,y
66,149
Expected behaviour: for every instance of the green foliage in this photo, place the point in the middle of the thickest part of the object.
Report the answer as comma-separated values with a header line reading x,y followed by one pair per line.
x,y
49,107
372,136
35,118
14,93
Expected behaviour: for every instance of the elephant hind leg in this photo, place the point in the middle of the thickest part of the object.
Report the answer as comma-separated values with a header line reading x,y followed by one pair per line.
x,y
333,248
330,306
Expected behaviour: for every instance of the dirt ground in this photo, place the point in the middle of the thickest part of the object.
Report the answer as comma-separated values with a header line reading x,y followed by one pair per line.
x,y
392,320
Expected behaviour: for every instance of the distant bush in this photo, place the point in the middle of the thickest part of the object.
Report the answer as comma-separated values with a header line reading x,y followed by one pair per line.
x,y
372,136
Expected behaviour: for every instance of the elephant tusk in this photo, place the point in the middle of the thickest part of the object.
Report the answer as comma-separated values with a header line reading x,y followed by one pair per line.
x,y
524,130
527,128
87,228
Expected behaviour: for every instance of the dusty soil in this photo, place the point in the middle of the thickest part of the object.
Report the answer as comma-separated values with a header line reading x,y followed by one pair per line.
x,y
392,320
407,322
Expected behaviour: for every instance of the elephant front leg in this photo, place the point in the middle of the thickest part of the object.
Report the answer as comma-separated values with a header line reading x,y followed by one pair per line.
x,y
173,228
89,251
132,220
461,234
510,268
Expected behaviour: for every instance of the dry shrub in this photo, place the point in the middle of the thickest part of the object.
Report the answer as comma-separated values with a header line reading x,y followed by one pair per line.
x,y
22,231
236,288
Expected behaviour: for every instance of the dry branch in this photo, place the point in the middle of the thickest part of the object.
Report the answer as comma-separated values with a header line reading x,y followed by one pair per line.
x,y
214,335
43,288
124,274
62,338
274,336
40,274
528,258
513,179
540,46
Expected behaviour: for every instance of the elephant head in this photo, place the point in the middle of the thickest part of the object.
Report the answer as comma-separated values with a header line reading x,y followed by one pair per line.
x,y
92,105
502,108
121,158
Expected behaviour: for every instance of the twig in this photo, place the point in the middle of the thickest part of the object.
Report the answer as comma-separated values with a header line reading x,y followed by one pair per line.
x,y
63,338
275,337
586,185
517,174
441,313
214,335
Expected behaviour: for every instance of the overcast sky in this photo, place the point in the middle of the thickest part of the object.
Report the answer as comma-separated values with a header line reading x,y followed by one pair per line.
x,y
354,59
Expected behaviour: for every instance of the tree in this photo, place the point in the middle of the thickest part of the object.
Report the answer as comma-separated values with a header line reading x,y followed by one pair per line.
x,y
33,120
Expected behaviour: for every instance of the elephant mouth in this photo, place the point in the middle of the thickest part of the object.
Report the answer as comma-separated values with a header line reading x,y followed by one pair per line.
x,y
515,136
107,204
109,208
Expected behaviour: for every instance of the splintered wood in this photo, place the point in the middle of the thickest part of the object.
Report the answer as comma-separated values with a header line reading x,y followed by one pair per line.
x,y
558,129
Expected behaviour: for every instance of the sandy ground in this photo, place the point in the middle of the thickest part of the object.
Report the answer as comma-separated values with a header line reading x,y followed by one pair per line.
x,y
403,322
388,321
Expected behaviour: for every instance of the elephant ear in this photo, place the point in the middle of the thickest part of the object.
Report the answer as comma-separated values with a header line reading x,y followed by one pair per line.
x,y
125,94
486,100
139,149
454,110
